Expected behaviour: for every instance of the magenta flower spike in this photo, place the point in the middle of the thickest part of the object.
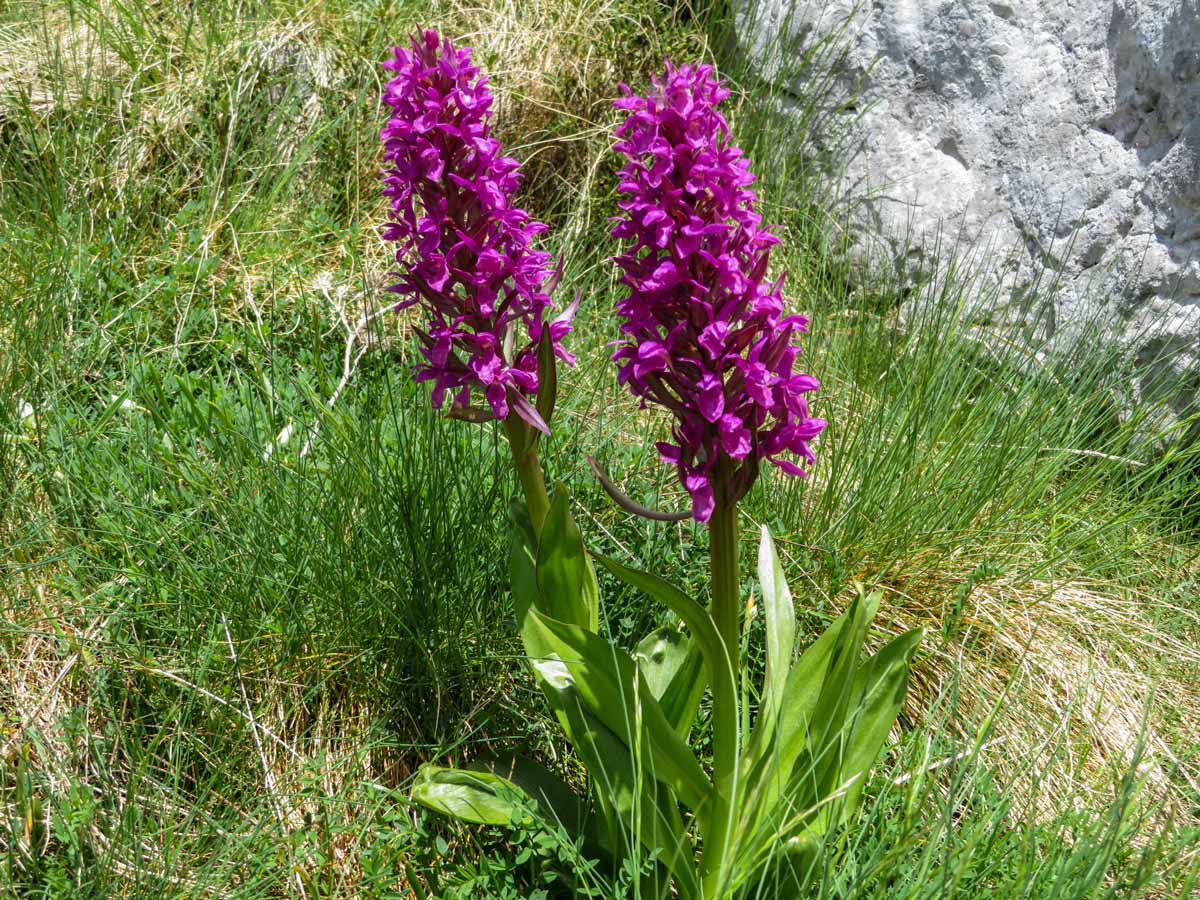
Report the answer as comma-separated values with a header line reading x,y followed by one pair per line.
x,y
464,248
703,328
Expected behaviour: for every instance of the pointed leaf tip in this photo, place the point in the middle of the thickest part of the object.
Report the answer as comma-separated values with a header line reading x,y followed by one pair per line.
x,y
780,628
527,411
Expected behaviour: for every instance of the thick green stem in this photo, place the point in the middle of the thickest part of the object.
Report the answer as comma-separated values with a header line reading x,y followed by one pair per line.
x,y
529,469
723,568
723,562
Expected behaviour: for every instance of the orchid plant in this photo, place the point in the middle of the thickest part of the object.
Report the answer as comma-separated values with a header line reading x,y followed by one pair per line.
x,y
704,335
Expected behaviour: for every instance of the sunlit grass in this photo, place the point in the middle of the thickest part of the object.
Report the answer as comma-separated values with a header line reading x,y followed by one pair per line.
x,y
236,616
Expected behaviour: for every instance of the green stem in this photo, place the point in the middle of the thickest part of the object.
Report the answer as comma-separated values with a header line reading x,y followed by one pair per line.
x,y
529,469
723,567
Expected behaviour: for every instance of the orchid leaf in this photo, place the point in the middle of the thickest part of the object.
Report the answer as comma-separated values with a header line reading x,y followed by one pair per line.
x,y
780,631
631,801
882,683
610,688
773,751
566,580
791,758
483,798
555,799
782,741
522,562
832,726
704,634
674,671
496,791
697,619
817,771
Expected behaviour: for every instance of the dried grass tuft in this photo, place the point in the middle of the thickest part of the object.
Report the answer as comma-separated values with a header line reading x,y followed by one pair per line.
x,y
1076,681
50,63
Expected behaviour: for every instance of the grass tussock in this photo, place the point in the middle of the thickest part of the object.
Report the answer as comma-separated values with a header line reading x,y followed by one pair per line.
x,y
1065,675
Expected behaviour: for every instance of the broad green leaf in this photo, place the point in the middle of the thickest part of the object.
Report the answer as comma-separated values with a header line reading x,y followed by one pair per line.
x,y
835,715
480,797
697,619
830,727
816,775
565,578
522,562
633,803
659,656
555,799
780,631
614,793
803,756
704,633
881,687
674,671
772,753
494,792
610,688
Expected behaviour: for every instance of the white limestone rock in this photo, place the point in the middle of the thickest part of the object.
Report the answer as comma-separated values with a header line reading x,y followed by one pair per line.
x,y
1064,132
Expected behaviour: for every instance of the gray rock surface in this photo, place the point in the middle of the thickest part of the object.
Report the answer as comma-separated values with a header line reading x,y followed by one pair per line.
x,y
1059,131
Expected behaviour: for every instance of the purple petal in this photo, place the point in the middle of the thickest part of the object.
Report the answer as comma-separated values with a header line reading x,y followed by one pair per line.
x,y
700,489
497,399
712,338
810,428
790,467
735,436
668,453
711,397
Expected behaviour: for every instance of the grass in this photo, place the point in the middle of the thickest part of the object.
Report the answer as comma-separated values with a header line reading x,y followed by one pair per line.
x,y
229,635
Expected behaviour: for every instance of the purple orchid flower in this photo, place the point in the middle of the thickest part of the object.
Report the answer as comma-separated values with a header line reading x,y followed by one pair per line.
x,y
703,328
465,249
